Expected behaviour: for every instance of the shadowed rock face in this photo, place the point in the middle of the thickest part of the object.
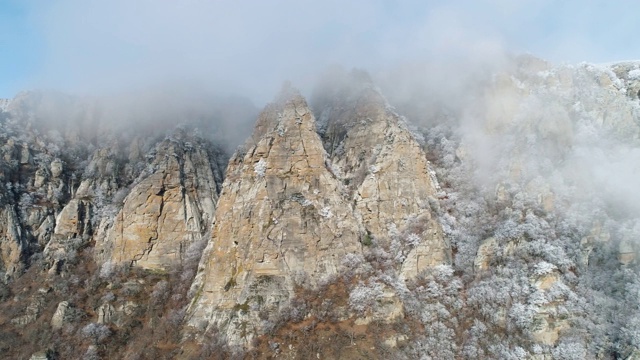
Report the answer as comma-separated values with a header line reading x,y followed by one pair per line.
x,y
166,210
13,245
387,171
281,219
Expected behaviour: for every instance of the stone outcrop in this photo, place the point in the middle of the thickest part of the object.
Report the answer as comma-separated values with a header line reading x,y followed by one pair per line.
x,y
74,220
289,211
34,308
63,186
386,169
12,242
627,251
71,229
549,322
167,209
488,249
42,355
281,220
28,198
100,177
59,317
35,183
106,313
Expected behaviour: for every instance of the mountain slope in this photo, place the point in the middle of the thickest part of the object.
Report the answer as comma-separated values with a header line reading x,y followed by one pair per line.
x,y
281,221
505,226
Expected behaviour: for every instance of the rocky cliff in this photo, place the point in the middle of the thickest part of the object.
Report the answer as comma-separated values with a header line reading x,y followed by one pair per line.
x,y
291,214
169,207
387,172
73,199
129,194
506,227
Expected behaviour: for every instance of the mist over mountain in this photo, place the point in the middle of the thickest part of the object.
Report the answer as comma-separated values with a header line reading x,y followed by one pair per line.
x,y
208,180
493,216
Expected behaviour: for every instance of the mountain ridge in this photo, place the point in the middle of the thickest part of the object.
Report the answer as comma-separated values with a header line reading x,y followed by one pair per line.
x,y
504,229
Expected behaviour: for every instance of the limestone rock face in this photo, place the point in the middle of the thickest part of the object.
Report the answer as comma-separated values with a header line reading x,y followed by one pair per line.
x,y
74,219
100,177
70,229
548,317
167,209
281,219
555,107
57,321
12,242
56,168
390,178
627,252
488,249
106,313
29,197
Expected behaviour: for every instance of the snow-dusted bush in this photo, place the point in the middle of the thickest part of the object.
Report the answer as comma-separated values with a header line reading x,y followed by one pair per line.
x,y
364,296
522,315
25,202
570,350
108,297
160,291
97,333
543,268
91,354
634,74
107,269
413,240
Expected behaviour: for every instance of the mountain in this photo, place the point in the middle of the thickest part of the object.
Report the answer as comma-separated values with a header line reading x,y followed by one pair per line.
x,y
502,226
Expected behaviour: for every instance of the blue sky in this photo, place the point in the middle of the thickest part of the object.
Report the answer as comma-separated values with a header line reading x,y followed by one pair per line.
x,y
252,46
22,48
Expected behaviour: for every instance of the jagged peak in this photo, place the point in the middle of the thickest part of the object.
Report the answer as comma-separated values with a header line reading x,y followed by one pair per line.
x,y
353,102
289,100
340,90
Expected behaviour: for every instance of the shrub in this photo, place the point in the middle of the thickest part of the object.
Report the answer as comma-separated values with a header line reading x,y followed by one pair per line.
x,y
97,333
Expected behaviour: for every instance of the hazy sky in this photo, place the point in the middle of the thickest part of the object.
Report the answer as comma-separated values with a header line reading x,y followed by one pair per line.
x,y
250,47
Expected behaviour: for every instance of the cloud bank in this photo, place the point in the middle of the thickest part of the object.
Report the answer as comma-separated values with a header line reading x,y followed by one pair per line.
x,y
251,47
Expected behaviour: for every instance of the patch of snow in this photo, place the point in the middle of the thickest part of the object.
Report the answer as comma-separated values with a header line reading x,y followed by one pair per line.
x,y
260,167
